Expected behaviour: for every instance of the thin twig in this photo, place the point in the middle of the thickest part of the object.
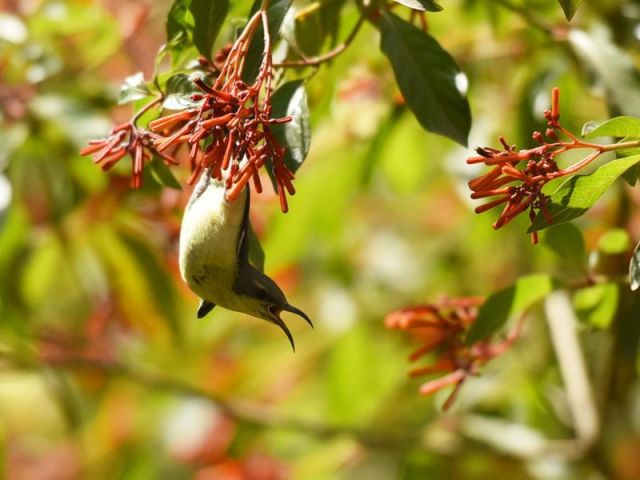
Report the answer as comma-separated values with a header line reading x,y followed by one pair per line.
x,y
530,17
159,99
315,61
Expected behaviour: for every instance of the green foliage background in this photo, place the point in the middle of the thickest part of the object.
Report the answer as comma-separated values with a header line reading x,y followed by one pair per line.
x,y
106,372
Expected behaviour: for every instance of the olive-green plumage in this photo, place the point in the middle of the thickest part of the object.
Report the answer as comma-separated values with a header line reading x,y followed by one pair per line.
x,y
214,257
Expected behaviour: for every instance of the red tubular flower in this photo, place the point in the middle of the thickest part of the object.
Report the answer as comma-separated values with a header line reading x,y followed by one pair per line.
x,y
441,328
230,131
516,178
125,139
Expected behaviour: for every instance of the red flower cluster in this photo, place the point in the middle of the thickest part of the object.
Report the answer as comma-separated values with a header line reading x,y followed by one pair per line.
x,y
442,327
230,131
125,139
517,177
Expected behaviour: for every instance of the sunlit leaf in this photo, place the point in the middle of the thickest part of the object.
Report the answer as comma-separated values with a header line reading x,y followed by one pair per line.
x,y
597,304
208,17
179,89
615,127
502,305
579,193
428,78
134,88
178,24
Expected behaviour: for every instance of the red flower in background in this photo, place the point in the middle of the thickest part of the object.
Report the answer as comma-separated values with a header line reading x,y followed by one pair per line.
x,y
442,328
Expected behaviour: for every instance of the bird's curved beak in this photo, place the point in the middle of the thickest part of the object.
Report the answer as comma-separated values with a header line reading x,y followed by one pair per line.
x,y
276,310
297,311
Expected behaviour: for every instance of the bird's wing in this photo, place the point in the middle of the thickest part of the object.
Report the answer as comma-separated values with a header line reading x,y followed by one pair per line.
x,y
242,252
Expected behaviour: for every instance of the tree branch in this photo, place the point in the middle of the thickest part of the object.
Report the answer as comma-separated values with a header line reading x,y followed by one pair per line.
x,y
315,61
249,412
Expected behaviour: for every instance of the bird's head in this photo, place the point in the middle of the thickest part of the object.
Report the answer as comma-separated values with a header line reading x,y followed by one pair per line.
x,y
264,299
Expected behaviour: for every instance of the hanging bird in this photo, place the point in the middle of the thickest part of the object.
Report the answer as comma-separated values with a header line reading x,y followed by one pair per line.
x,y
214,257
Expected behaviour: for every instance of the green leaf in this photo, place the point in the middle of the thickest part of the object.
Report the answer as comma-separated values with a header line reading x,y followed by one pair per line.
x,y
178,23
163,174
614,242
614,68
291,100
634,269
426,75
616,127
597,304
579,193
179,90
569,7
422,5
275,16
629,151
567,242
134,88
209,16
506,303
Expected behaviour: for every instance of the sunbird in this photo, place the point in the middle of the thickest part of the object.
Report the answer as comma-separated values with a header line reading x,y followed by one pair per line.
x,y
214,257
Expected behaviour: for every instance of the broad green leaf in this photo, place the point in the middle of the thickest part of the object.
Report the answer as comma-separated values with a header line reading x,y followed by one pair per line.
x,y
627,151
579,193
422,5
275,16
291,100
615,127
178,23
506,303
163,174
597,304
310,27
613,67
134,88
428,78
630,176
208,16
634,269
178,92
569,7
567,242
